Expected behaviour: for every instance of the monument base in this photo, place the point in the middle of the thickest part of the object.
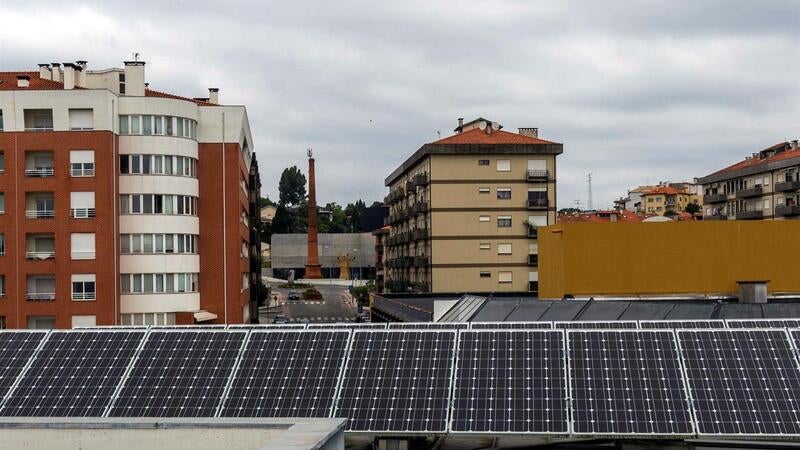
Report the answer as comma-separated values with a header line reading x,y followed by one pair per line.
x,y
313,272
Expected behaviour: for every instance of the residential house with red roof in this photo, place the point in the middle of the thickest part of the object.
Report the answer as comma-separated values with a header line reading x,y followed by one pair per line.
x,y
121,204
765,185
464,211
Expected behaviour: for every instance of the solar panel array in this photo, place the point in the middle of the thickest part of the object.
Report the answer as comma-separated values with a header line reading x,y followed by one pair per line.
x,y
428,325
511,325
587,382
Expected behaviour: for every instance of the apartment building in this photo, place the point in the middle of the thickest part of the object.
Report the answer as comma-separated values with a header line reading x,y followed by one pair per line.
x,y
464,211
121,204
765,185
667,200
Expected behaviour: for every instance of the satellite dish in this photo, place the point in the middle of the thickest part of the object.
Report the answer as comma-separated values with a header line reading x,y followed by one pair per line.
x,y
482,125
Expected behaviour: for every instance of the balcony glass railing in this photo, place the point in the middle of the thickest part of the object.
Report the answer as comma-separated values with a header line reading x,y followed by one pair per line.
x,y
83,295
40,255
40,296
41,172
82,172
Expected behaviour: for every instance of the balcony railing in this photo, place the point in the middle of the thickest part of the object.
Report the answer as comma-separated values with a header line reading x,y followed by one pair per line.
x,y
420,234
785,186
533,232
420,208
40,214
409,186
83,295
533,260
81,172
40,296
49,128
537,204
538,176
752,192
421,179
81,213
421,261
787,210
40,172
749,215
40,255
715,198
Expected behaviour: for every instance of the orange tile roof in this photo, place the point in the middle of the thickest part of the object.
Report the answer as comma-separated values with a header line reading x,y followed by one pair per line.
x,y
8,82
478,136
666,190
753,162
603,216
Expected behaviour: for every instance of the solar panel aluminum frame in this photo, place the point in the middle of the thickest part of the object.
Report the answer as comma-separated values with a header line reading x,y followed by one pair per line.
x,y
445,431
146,338
347,326
268,326
567,399
28,363
488,327
686,394
266,331
443,326
729,321
757,437
719,321
557,322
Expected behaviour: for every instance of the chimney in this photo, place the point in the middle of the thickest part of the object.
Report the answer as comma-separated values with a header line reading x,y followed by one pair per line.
x,y
44,72
794,144
213,95
23,81
530,132
460,125
69,76
134,78
57,75
80,75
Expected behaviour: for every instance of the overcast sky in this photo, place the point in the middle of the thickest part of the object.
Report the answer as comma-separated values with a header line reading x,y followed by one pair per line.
x,y
638,91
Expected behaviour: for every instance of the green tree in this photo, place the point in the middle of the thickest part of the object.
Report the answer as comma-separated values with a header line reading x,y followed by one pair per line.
x,y
692,208
353,212
292,186
265,201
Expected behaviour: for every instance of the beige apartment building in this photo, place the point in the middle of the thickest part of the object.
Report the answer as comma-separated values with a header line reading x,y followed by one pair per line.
x,y
464,211
766,185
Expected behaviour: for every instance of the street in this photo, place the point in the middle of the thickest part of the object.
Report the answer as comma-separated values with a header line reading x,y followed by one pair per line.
x,y
336,306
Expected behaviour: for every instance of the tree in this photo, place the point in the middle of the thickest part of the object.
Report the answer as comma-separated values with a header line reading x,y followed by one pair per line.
x,y
265,201
354,211
569,211
292,187
692,208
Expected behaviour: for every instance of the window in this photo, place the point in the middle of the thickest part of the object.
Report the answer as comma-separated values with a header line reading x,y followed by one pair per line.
x,y
83,287
81,163
147,125
82,205
503,193
157,283
135,124
504,165
2,286
484,219
2,203
485,246
2,244
82,245
84,321
504,277
766,203
486,274
1,120
158,165
81,119
504,221
148,319
483,190
503,249
158,204
122,84
38,119
483,162
2,159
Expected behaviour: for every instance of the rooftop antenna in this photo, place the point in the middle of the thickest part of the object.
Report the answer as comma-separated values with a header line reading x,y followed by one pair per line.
x,y
578,204
136,56
589,180
310,152
439,133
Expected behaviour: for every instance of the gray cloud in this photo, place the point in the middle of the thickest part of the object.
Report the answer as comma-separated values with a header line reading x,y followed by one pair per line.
x,y
638,91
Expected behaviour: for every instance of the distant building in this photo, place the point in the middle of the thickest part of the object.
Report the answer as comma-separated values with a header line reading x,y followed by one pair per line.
x,y
268,213
290,252
464,211
633,201
667,200
601,216
765,185
380,257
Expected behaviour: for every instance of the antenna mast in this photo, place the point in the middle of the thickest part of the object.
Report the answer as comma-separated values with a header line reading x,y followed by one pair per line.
x,y
591,203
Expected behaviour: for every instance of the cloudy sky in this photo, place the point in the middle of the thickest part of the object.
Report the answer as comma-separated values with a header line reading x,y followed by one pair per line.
x,y
638,91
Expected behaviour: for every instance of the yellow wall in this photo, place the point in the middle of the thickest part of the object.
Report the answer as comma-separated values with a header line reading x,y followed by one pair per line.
x,y
627,259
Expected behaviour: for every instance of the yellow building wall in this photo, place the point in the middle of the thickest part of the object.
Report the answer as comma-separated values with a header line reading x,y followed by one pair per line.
x,y
630,259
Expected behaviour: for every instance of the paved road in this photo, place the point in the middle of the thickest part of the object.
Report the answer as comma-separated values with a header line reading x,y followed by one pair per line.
x,y
336,306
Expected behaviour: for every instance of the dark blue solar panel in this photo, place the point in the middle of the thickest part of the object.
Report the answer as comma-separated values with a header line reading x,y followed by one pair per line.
x,y
512,325
16,348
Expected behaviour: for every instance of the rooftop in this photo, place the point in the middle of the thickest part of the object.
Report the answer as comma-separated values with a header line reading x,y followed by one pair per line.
x,y
759,162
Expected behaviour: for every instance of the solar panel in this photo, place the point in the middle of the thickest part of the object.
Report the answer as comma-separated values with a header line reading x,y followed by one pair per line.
x,y
510,381
179,374
283,326
114,327
397,381
74,374
763,323
743,382
287,374
16,349
627,382
676,324
428,325
347,326
596,325
511,325
189,327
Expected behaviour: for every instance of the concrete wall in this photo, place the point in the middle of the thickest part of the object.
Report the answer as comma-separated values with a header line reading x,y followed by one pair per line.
x,y
628,259
289,251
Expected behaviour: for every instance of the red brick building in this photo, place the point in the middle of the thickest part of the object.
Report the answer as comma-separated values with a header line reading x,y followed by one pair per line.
x,y
120,204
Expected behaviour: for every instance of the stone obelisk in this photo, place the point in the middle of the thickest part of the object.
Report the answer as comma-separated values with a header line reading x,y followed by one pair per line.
x,y
313,270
